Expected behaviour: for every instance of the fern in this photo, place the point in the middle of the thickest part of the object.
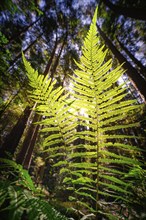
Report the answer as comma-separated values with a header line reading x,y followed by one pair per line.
x,y
93,171
20,198
55,106
105,110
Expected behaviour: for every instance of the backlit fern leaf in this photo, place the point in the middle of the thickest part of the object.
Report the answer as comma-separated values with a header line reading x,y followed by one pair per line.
x,y
59,124
96,92
92,168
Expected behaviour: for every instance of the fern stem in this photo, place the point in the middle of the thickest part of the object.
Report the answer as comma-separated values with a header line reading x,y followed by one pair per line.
x,y
97,187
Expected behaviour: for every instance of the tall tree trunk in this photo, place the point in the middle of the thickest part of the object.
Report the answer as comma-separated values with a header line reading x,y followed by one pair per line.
x,y
53,70
137,62
136,13
13,138
47,69
138,82
25,154
28,158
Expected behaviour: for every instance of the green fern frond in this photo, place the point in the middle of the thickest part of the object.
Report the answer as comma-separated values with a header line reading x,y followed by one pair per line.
x,y
20,197
95,90
53,104
105,153
24,177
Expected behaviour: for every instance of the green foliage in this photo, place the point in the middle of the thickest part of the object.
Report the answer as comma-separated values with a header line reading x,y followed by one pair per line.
x,y
9,5
20,198
95,160
55,105
3,39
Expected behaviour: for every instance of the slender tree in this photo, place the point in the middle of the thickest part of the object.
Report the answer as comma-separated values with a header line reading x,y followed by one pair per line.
x,y
47,69
137,80
13,138
25,154
133,58
53,70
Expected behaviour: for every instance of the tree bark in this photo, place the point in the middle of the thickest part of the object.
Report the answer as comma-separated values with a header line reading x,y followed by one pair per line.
x,y
25,154
13,138
136,13
28,158
58,57
137,62
138,82
47,69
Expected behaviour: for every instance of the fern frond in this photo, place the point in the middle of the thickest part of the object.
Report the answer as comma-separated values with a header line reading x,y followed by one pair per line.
x,y
59,122
24,177
20,197
96,156
95,89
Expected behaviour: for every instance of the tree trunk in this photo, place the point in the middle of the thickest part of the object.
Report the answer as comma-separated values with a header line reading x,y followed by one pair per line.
x,y
47,69
138,82
13,138
18,35
58,58
25,154
28,158
136,13
24,51
137,62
